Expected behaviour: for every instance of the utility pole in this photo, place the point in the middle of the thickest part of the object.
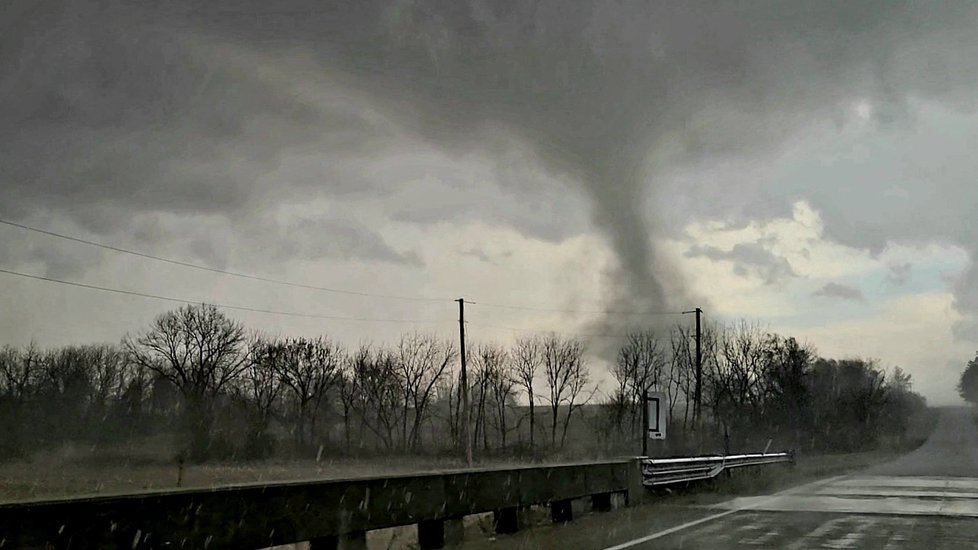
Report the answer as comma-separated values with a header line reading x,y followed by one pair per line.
x,y
464,382
699,365
645,422
698,397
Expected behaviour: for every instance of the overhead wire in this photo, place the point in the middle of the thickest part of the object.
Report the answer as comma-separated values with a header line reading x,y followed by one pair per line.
x,y
219,305
316,287
535,331
220,271
586,311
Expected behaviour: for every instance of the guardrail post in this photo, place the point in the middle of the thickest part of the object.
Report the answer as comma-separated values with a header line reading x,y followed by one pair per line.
x,y
356,540
431,534
434,534
561,511
506,520
601,502
636,487
454,531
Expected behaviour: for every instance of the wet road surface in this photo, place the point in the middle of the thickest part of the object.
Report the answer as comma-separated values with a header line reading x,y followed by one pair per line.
x,y
926,499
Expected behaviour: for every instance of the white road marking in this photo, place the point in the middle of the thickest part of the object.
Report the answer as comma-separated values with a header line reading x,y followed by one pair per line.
x,y
707,519
870,492
950,483
817,533
851,539
671,530
875,495
897,539
762,540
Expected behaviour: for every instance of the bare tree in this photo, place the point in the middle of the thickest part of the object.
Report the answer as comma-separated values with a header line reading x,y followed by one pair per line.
x,y
380,394
308,368
444,408
681,374
490,374
788,401
479,389
134,391
734,379
107,365
349,389
566,377
421,363
260,387
19,371
639,367
527,359
497,369
198,349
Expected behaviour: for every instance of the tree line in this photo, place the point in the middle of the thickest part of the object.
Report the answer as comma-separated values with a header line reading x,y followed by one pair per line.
x,y
968,382
223,392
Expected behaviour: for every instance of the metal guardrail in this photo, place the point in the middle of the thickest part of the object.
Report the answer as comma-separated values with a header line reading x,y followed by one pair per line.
x,y
260,515
664,471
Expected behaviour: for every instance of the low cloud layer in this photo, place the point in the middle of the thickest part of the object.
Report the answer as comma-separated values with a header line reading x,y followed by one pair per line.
x,y
748,259
318,239
841,292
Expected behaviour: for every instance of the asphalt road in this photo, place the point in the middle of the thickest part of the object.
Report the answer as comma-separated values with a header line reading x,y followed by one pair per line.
x,y
925,499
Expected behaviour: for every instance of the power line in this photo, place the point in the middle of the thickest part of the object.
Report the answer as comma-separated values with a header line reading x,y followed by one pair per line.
x,y
592,311
220,271
282,282
578,334
223,306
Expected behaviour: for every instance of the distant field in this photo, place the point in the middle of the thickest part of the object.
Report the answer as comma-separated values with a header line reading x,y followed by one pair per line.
x,y
54,478
80,470
58,476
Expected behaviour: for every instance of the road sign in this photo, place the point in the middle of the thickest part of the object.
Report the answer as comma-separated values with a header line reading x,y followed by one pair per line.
x,y
656,410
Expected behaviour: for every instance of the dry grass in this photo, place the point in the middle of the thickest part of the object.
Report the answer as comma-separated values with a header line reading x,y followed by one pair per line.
x,y
79,470
76,471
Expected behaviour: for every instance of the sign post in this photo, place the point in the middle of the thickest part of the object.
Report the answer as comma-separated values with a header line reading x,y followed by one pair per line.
x,y
645,423
656,417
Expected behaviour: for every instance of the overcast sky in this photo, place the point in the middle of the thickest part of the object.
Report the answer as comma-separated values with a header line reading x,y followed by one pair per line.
x,y
809,166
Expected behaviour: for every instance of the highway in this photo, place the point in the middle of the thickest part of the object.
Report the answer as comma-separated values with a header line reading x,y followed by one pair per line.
x,y
925,499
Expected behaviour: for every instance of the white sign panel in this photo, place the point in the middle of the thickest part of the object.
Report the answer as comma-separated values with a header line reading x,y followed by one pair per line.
x,y
657,408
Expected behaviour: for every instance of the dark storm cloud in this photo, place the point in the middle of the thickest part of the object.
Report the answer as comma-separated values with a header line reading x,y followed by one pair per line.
x,y
840,291
105,106
483,256
56,259
116,105
748,258
316,238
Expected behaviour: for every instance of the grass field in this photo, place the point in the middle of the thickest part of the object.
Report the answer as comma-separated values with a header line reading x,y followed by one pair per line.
x,y
78,470
57,476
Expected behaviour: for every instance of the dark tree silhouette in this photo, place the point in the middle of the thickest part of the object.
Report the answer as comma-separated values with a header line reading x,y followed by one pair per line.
x,y
199,350
968,385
